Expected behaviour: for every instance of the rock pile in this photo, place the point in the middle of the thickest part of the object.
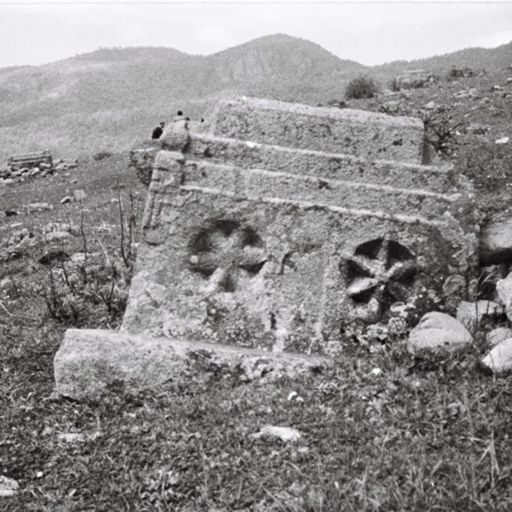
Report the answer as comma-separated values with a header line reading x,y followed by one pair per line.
x,y
12,172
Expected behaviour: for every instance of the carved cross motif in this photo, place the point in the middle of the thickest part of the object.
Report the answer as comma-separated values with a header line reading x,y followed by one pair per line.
x,y
379,273
226,253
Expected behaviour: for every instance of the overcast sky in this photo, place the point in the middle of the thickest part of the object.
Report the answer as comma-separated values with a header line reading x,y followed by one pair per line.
x,y
371,33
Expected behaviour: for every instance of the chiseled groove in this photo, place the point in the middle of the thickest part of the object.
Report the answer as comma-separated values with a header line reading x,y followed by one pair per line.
x,y
417,168
354,184
408,219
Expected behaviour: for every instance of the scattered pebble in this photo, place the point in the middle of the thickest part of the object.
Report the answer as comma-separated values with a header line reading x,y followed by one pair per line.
x,y
286,434
71,437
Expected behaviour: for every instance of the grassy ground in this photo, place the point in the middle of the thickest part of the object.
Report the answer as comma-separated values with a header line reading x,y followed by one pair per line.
x,y
381,431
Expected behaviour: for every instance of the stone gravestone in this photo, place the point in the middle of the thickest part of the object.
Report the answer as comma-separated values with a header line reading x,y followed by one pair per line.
x,y
266,236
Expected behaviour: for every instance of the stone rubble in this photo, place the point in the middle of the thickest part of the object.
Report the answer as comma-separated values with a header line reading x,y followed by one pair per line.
x,y
13,174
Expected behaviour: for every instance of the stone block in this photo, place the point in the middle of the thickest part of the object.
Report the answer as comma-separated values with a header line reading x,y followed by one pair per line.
x,y
282,225
353,132
271,247
89,361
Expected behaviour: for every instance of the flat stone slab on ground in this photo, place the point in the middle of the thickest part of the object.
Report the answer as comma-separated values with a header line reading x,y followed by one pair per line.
x,y
90,360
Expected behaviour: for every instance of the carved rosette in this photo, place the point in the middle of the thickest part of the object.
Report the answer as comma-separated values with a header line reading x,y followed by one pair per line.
x,y
379,273
226,253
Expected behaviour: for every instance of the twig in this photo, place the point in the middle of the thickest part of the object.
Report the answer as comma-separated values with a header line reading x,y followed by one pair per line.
x,y
31,318
84,242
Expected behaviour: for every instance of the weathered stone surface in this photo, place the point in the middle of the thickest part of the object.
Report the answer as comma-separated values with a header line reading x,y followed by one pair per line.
x,y
499,359
39,207
88,361
142,159
285,434
277,228
352,132
438,330
504,291
498,335
496,240
8,486
58,236
274,246
470,314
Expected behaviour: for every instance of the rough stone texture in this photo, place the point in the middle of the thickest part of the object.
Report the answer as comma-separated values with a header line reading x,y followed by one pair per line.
x,y
496,240
499,359
504,291
142,159
270,232
438,330
498,335
8,486
352,132
274,244
88,361
285,434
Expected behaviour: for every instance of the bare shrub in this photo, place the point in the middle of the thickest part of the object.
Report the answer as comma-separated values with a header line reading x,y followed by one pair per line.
x,y
361,87
440,133
92,289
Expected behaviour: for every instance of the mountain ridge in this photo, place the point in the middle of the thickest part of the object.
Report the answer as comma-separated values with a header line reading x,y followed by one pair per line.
x,y
110,98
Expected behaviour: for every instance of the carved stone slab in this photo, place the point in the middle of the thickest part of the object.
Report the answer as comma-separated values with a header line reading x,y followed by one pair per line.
x,y
286,222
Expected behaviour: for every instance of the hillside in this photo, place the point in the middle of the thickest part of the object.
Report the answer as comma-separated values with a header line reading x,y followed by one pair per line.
x,y
111,98
492,60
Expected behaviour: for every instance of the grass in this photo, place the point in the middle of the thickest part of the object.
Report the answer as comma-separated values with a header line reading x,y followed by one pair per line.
x,y
424,434
381,431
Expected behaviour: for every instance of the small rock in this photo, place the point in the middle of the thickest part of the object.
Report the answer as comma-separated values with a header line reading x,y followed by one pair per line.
x,y
503,140
67,199
498,335
6,284
79,194
10,213
57,236
438,330
60,226
496,88
8,486
286,434
71,437
499,359
470,314
431,105
478,129
509,80
504,290
454,284
39,207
